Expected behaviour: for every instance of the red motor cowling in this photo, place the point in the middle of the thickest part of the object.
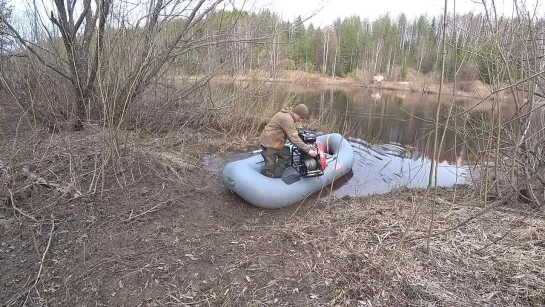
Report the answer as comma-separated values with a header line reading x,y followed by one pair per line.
x,y
321,153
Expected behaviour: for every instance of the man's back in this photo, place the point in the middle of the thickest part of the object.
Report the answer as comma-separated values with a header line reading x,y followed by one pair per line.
x,y
274,136
281,127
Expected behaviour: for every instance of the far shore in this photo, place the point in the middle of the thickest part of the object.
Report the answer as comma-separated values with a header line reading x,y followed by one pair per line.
x,y
422,84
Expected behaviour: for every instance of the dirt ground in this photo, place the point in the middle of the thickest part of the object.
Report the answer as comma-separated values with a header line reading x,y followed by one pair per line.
x,y
157,228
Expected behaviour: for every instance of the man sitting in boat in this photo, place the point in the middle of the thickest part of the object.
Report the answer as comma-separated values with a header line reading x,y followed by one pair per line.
x,y
273,138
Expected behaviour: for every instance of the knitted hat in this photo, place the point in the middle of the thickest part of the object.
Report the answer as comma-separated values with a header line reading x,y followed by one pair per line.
x,y
301,110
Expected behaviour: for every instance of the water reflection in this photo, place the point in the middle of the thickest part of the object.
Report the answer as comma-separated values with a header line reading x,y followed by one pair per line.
x,y
386,116
381,168
393,117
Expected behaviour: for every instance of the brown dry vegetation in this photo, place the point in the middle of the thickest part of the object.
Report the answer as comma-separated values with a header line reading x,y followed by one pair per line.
x,y
475,89
414,83
158,229
291,76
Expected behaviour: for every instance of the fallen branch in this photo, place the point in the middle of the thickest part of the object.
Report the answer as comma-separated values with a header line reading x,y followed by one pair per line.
x,y
45,253
514,225
55,186
19,210
150,210
485,210
165,157
466,221
39,180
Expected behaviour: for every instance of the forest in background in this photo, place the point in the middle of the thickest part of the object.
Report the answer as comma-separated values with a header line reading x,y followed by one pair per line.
x,y
355,47
242,41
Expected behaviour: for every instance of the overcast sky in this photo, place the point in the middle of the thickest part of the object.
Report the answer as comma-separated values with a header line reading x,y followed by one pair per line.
x,y
329,10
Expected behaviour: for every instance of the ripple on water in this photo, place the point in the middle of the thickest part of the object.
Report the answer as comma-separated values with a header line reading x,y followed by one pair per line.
x,y
382,168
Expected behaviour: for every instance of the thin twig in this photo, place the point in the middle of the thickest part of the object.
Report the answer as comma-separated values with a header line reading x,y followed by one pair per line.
x,y
437,151
150,210
45,252
19,210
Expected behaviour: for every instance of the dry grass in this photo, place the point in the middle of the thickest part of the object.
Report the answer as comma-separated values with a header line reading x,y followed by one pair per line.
x,y
237,113
414,83
290,76
352,241
154,228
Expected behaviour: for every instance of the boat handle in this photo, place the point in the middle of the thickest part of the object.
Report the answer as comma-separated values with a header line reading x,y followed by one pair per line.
x,y
230,181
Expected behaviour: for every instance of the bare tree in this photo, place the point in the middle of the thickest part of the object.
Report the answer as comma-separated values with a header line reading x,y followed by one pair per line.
x,y
110,59
81,62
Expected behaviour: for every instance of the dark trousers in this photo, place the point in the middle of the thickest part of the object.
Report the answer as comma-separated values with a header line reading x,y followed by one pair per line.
x,y
276,161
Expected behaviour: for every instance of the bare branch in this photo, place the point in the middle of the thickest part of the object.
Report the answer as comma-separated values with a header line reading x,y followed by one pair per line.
x,y
86,9
24,43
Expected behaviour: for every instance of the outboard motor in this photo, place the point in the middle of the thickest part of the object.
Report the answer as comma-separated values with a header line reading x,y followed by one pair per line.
x,y
305,164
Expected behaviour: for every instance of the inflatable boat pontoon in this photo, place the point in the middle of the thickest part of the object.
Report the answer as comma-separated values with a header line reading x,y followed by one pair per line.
x,y
245,177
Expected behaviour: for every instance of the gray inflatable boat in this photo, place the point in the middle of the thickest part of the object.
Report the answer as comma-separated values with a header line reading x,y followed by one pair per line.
x,y
244,177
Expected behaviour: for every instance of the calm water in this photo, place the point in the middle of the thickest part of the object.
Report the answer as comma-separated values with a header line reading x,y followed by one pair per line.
x,y
404,118
381,168
391,133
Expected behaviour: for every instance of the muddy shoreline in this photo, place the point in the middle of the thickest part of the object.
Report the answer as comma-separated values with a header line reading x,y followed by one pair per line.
x,y
156,228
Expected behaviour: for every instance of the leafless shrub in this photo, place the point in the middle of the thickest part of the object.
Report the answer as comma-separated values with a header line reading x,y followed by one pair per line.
x,y
468,72
466,86
509,53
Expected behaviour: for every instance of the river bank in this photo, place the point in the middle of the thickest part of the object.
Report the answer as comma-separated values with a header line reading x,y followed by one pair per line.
x,y
413,83
153,227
